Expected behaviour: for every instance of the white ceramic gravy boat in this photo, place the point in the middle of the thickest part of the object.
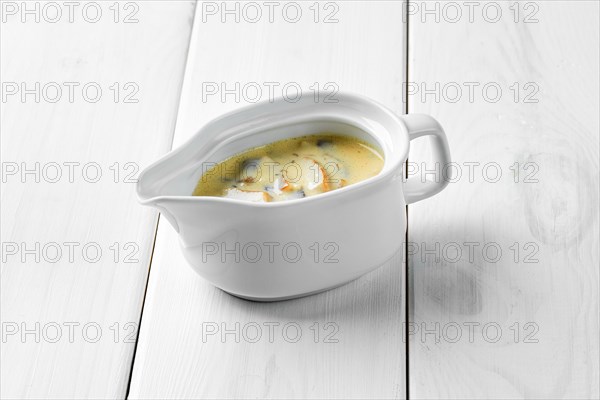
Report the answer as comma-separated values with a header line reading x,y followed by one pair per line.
x,y
282,250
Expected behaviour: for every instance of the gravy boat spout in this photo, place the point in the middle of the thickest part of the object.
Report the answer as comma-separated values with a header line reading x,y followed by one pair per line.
x,y
281,250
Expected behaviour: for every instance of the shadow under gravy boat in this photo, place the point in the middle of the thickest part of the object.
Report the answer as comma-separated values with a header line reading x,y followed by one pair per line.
x,y
282,250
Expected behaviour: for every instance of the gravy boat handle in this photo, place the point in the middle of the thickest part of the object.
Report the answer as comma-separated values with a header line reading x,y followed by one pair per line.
x,y
415,188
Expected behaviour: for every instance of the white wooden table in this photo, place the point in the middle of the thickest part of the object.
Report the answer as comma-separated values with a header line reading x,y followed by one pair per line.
x,y
499,298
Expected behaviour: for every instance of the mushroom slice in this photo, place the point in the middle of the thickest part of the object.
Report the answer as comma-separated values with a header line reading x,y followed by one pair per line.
x,y
261,171
324,143
279,186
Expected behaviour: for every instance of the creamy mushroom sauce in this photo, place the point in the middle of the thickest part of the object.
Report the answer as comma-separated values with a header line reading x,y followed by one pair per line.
x,y
291,169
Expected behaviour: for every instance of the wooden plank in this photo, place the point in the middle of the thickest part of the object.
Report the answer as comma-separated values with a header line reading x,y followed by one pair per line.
x,y
364,358
81,311
550,134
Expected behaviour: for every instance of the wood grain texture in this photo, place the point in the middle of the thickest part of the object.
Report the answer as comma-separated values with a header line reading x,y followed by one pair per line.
x,y
49,295
551,212
363,52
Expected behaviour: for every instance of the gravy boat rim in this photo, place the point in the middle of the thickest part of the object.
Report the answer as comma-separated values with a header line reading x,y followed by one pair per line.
x,y
390,168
